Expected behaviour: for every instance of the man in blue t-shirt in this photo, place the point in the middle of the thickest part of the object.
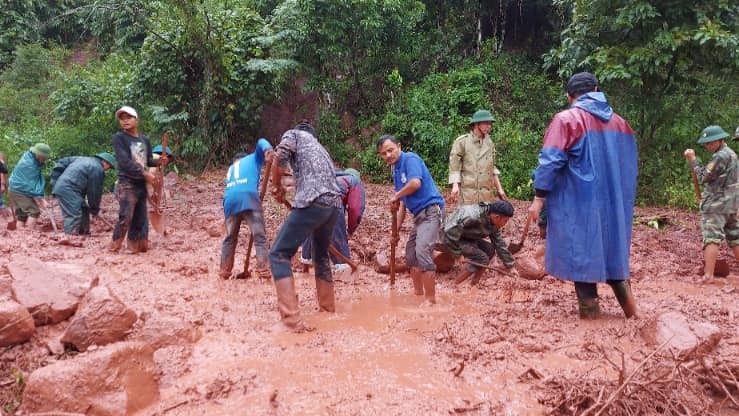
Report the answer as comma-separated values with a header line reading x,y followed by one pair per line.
x,y
415,190
241,203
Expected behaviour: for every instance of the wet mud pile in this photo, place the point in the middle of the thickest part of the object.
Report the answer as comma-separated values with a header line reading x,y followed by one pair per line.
x,y
505,346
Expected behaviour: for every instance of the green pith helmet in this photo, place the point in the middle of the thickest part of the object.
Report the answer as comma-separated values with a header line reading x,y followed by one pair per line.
x,y
711,134
108,158
353,172
41,149
480,116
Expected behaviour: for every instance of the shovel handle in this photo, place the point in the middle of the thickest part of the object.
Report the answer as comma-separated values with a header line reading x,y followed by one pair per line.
x,y
696,185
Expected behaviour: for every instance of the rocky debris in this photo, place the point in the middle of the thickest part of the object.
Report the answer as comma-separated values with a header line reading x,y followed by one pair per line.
x,y
16,324
382,263
119,379
51,292
529,269
101,319
160,332
684,336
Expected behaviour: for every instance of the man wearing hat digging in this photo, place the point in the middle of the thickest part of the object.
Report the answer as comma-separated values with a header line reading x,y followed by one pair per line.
x,y
472,171
134,156
27,183
587,175
720,197
75,179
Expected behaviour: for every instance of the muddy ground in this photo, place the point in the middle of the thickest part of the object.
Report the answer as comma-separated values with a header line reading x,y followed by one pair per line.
x,y
481,350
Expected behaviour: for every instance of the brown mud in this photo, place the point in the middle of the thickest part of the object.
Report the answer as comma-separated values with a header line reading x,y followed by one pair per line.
x,y
480,350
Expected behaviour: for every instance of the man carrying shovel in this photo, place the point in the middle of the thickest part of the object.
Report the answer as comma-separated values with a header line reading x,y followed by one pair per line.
x,y
720,197
77,184
315,208
464,234
587,174
241,202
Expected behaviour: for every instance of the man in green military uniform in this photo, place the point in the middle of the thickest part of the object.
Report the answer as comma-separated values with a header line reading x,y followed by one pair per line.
x,y
77,183
465,230
472,171
720,199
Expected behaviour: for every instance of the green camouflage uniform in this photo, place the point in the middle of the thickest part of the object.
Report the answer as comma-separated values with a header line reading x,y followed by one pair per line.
x,y
720,197
464,232
472,165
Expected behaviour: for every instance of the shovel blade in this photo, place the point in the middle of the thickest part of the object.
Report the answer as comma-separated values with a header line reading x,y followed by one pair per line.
x,y
12,225
156,219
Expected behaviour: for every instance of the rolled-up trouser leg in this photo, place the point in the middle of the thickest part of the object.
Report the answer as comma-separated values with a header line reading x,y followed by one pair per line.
x,y
587,299
228,247
420,246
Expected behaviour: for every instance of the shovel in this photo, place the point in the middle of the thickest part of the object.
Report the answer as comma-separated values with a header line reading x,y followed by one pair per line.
x,y
721,268
156,212
516,247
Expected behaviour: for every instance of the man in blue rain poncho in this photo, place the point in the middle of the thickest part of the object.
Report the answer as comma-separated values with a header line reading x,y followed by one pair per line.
x,y
587,175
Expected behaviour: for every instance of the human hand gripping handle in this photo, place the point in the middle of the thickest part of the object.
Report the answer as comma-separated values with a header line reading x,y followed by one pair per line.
x,y
535,209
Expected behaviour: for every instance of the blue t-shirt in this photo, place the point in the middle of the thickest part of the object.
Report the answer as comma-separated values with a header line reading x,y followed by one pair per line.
x,y
242,182
408,167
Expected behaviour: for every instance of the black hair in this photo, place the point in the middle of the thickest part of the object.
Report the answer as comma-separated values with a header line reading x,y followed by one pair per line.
x,y
238,156
581,83
306,126
384,138
500,207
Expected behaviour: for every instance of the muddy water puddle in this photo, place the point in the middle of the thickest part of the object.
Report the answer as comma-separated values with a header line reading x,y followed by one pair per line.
x,y
374,353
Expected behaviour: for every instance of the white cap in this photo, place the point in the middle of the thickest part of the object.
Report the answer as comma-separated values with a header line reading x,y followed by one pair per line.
x,y
128,110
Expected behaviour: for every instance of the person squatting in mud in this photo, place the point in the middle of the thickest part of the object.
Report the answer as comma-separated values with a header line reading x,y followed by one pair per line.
x,y
77,183
353,198
26,185
315,208
415,190
587,174
133,154
465,231
241,203
720,197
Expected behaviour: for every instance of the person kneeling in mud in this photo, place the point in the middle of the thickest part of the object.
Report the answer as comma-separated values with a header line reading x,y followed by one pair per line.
x,y
465,231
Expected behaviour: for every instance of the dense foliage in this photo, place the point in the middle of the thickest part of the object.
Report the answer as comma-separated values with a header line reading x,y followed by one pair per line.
x,y
418,69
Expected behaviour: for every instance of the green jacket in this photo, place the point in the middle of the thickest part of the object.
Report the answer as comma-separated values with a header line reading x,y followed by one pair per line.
x,y
471,222
472,165
81,175
720,182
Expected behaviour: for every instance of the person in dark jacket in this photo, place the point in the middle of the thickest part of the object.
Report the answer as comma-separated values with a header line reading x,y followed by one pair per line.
x,y
26,184
77,183
133,154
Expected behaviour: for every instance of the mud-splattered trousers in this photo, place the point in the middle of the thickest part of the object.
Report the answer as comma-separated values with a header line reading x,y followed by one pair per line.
x,y
255,220
133,217
420,246
317,219
720,178
339,239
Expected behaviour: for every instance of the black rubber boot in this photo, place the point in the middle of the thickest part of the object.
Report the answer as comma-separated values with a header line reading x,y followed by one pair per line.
x,y
587,300
622,290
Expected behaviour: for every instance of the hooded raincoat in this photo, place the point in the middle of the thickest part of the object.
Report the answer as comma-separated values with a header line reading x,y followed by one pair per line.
x,y
588,169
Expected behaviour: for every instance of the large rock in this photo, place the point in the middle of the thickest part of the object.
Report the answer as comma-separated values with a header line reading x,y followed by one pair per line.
x,y
101,319
50,292
160,332
682,335
117,380
16,324
382,264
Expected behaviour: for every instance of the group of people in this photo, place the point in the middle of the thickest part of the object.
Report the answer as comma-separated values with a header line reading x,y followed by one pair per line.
x,y
586,177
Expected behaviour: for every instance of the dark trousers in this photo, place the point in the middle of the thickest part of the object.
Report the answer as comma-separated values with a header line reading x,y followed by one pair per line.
x,y
316,219
75,210
586,290
339,239
477,251
233,225
133,217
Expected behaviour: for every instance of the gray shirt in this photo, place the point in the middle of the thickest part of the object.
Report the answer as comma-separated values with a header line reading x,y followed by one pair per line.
x,y
313,169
